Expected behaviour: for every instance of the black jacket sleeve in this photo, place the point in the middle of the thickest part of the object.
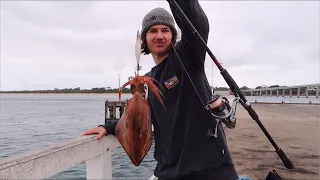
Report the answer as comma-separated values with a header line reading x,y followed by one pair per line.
x,y
189,43
110,127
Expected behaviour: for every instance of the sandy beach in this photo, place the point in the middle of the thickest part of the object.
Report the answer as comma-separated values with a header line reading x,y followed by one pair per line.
x,y
295,129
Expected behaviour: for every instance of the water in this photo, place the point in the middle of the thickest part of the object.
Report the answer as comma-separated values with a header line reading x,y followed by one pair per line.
x,y
31,121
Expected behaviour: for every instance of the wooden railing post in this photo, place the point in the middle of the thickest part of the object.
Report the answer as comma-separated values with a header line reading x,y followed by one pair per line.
x,y
106,111
111,109
114,108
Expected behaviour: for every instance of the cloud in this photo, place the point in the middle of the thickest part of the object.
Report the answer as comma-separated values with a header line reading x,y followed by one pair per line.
x,y
66,44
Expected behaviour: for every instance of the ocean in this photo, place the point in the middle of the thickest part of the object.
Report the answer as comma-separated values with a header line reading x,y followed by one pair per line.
x,y
32,121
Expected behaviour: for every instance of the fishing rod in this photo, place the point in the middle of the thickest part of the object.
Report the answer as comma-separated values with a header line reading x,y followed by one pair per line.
x,y
234,87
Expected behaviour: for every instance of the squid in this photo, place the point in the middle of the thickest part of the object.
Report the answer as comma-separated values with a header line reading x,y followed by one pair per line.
x,y
134,128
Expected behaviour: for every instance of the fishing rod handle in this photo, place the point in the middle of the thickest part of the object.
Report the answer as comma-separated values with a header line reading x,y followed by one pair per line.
x,y
286,161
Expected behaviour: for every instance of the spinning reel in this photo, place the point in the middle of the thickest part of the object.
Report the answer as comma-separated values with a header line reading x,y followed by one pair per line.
x,y
223,112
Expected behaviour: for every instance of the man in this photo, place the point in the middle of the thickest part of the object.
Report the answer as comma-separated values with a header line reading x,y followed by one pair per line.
x,y
183,149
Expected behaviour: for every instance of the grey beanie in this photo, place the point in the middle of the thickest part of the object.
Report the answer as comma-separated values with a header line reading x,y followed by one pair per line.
x,y
157,16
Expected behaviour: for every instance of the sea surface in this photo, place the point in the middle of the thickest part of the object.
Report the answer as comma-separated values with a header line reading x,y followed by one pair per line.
x,y
32,121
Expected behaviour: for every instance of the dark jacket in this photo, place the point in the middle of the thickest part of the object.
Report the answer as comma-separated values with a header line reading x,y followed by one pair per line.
x,y
180,133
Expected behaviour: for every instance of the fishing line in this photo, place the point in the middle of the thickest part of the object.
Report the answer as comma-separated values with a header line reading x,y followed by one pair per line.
x,y
188,76
219,108
233,85
203,104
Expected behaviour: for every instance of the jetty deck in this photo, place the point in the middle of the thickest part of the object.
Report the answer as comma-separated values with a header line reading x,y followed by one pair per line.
x,y
295,128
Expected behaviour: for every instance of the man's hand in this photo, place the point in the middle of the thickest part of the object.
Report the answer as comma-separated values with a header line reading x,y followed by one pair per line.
x,y
98,130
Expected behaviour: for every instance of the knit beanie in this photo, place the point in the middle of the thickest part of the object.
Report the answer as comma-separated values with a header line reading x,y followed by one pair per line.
x,y
155,17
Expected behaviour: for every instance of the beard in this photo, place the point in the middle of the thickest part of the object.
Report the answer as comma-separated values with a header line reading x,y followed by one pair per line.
x,y
165,51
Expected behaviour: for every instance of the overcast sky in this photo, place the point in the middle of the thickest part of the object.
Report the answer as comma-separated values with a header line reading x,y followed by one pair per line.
x,y
69,44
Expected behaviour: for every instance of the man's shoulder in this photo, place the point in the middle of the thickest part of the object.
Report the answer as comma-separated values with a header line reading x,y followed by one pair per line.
x,y
149,74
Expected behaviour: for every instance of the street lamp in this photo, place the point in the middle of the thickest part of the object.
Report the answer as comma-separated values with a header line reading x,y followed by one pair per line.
x,y
119,81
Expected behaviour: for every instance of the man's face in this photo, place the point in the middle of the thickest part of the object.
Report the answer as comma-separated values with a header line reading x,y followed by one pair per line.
x,y
158,39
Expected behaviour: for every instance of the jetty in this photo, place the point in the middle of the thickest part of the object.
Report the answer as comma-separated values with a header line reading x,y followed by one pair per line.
x,y
295,128
296,89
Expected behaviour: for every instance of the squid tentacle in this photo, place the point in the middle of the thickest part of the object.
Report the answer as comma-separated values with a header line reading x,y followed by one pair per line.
x,y
123,86
156,91
150,78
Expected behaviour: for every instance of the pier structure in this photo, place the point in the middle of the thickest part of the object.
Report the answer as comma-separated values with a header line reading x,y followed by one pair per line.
x,y
114,109
297,90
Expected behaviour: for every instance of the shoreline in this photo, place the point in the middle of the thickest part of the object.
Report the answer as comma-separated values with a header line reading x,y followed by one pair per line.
x,y
265,100
287,96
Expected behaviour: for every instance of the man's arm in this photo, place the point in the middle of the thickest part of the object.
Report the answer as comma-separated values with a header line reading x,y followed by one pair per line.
x,y
189,42
110,127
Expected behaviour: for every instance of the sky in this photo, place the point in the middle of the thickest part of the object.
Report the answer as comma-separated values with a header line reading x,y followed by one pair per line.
x,y
86,44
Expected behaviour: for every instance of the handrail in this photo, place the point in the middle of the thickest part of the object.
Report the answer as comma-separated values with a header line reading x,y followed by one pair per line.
x,y
46,162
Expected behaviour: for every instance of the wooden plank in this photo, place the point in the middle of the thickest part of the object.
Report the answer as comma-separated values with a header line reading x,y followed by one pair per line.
x,y
105,111
111,109
114,110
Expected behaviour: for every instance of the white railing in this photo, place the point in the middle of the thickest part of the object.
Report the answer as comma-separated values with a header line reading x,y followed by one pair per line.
x,y
48,161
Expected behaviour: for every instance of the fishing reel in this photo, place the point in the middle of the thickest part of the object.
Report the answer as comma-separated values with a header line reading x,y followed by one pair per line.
x,y
223,112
